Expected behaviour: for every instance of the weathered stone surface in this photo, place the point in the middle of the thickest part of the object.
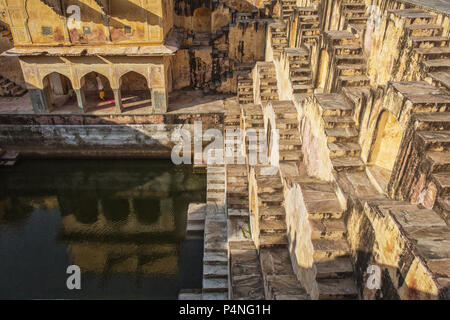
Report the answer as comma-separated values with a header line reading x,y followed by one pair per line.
x,y
330,289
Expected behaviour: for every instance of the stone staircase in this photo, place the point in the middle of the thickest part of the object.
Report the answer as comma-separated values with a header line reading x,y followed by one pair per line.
x,y
268,224
432,122
10,89
244,83
332,261
300,72
268,89
354,13
279,39
215,251
349,61
269,232
287,8
433,130
308,25
429,44
334,270
341,131
287,125
245,270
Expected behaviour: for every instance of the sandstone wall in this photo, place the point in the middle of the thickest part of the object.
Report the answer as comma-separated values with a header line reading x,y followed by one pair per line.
x,y
98,136
378,239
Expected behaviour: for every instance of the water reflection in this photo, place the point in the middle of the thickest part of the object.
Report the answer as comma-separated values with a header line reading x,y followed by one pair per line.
x,y
122,222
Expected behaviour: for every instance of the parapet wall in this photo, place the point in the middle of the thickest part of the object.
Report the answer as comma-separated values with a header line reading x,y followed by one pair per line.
x,y
98,136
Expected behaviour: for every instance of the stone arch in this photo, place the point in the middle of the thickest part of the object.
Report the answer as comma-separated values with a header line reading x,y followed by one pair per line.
x,y
91,91
134,91
121,73
82,74
62,71
201,21
387,140
58,90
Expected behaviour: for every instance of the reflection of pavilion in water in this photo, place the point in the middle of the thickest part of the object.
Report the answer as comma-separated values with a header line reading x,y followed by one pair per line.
x,y
124,239
112,229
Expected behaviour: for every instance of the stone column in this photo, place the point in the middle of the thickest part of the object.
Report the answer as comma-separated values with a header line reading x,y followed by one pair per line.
x,y
118,100
39,101
81,99
160,100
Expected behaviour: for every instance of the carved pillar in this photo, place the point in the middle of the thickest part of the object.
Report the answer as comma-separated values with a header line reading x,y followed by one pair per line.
x,y
39,100
160,100
118,100
81,99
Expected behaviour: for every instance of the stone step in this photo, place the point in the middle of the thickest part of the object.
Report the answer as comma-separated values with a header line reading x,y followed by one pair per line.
x,y
336,35
352,4
436,121
299,88
215,258
442,181
342,135
215,271
357,19
190,294
437,64
338,122
245,273
195,228
438,52
284,287
354,79
333,104
271,211
269,184
215,285
237,203
350,149
436,40
424,29
290,155
439,160
328,229
337,289
293,63
308,17
270,240
301,78
442,79
355,66
296,52
272,225
329,249
215,296
358,58
334,269
435,140
348,163
412,14
239,213
270,197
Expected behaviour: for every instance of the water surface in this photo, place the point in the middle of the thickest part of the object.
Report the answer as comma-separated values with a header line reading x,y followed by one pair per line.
x,y
122,222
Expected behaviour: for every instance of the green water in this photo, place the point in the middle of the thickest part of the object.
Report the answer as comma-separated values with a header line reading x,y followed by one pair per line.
x,y
122,222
